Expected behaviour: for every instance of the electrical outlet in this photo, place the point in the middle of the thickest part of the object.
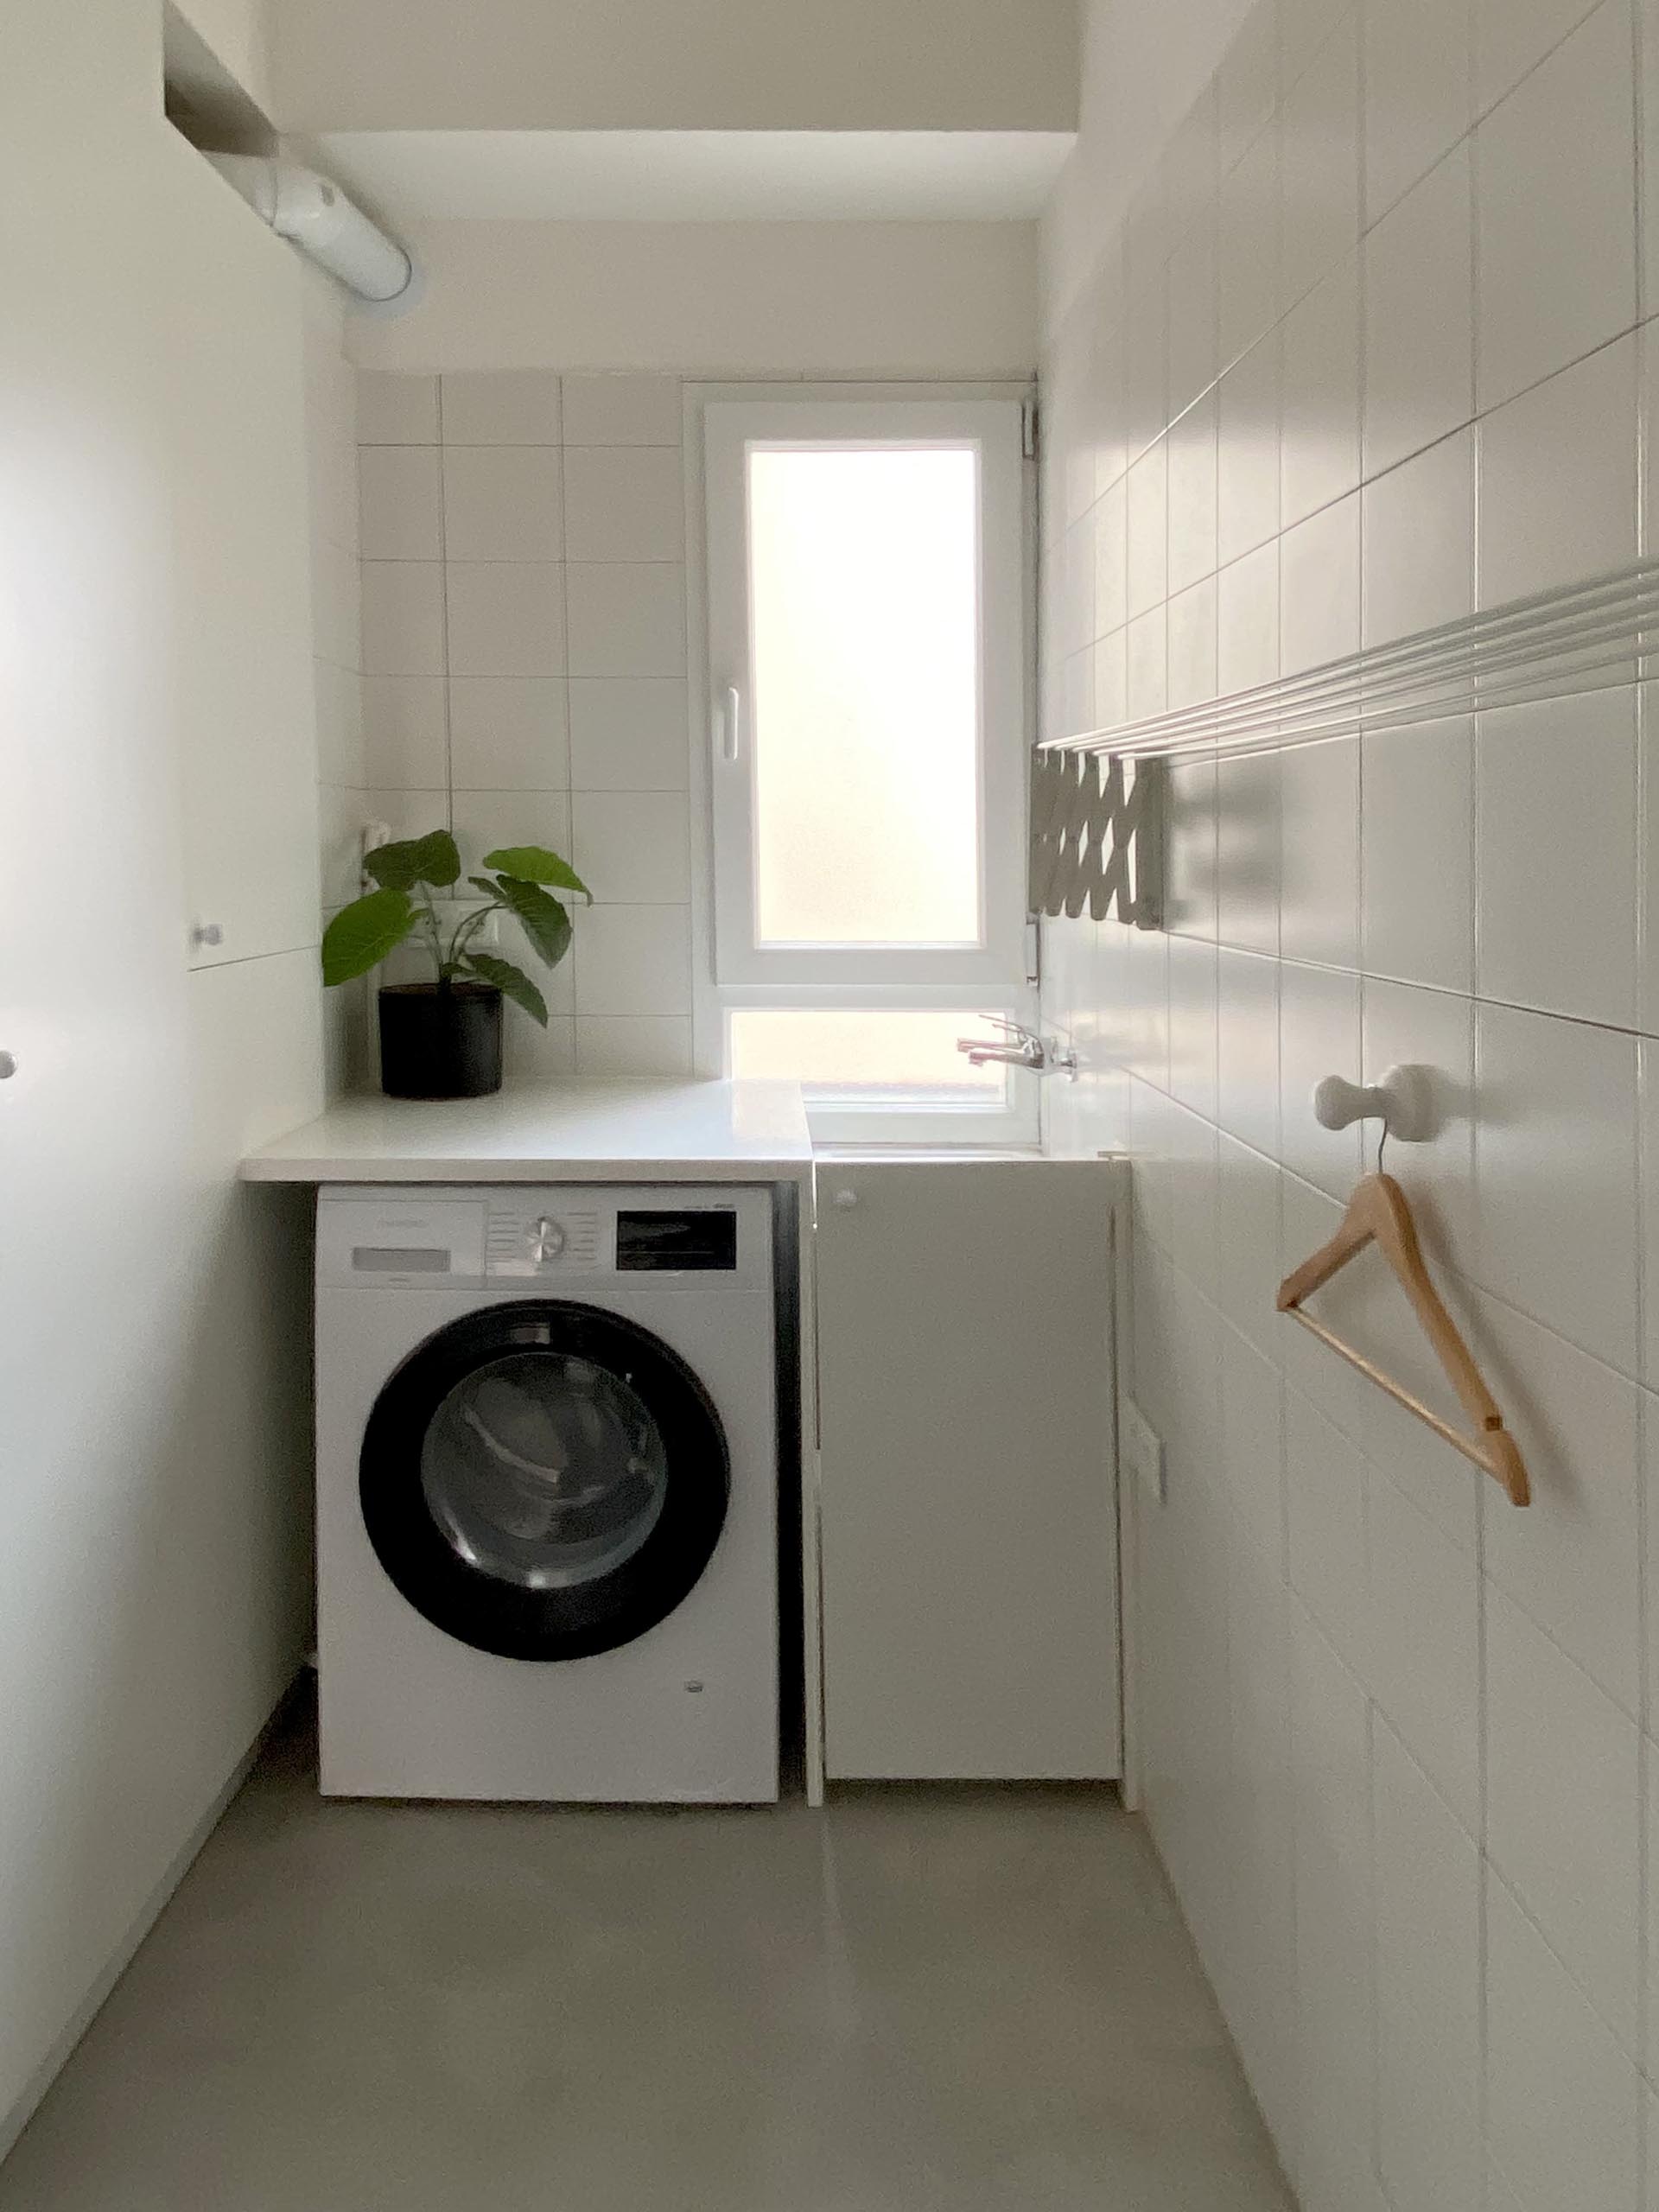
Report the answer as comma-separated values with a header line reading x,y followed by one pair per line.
x,y
1142,1450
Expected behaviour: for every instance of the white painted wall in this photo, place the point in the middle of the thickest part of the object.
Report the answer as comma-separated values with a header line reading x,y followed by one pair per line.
x,y
740,65
1371,349
849,299
238,33
153,1576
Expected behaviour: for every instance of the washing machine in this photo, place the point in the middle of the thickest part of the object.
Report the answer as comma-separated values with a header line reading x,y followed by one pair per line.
x,y
547,1493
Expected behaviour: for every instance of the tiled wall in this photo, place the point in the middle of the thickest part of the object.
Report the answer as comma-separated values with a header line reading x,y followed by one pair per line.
x,y
523,542
1367,353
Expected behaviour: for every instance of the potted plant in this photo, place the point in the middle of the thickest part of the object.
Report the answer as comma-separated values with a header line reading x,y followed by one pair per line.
x,y
441,1039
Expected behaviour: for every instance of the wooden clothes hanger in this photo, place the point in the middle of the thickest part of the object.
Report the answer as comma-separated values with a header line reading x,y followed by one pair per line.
x,y
1379,1214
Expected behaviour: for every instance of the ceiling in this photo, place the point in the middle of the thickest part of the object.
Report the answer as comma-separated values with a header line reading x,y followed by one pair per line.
x,y
702,176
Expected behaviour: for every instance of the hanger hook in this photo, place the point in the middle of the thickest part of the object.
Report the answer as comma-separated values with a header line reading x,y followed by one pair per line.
x,y
1382,1144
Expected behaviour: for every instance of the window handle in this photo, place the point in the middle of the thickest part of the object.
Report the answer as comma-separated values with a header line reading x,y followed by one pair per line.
x,y
731,730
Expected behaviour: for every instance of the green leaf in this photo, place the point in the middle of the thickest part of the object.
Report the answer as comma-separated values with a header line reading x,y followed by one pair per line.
x,y
432,859
361,935
543,921
512,980
535,864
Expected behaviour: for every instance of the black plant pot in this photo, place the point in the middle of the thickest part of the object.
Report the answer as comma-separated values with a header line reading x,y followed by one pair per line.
x,y
438,1042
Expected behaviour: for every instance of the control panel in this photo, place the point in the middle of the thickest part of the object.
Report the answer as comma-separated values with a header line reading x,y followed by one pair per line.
x,y
529,1235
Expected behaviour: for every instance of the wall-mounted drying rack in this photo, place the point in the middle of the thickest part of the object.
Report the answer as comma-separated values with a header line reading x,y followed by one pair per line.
x,y
1093,845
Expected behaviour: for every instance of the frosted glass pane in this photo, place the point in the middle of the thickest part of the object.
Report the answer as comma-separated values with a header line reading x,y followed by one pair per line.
x,y
887,1055
864,607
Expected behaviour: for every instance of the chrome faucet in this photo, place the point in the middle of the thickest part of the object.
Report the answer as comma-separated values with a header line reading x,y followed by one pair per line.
x,y
1017,1047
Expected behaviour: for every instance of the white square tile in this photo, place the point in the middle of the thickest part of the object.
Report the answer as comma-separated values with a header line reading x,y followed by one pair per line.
x,y
1246,620
1420,311
509,733
1324,1491
1248,1078
1562,1247
501,407
1572,1559
1319,131
1147,1044
1075,612
402,617
1319,395
531,1054
632,1048
1556,215
399,516
1193,1190
502,503
337,586
1417,844
626,619
405,741
1513,36
1318,865
1194,300
1318,1035
1246,866
633,960
1148,671
1193,1024
1318,588
1429,1976
1246,1239
1099,588
1561,2098
1253,1443
1110,682
506,618
622,411
1558,480
1192,638
624,503
1145,368
1247,453
1332,2150
486,820
1425,1644
633,848
1573,955
1148,529
1419,542
1248,287
394,410
1193,486
628,734
1564,1809
1246,86
1418,101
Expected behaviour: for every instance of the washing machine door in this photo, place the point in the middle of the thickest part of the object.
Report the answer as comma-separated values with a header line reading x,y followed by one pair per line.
x,y
544,1480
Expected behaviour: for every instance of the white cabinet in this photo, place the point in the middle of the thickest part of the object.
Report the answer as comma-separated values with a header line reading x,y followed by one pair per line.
x,y
968,1496
246,717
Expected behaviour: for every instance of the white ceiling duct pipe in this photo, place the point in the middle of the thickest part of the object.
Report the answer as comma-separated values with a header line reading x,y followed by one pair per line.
x,y
316,216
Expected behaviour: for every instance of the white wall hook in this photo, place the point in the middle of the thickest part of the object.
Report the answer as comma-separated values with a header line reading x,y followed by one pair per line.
x,y
1402,1099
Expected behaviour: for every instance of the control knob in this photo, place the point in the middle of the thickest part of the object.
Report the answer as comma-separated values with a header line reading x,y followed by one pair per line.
x,y
546,1241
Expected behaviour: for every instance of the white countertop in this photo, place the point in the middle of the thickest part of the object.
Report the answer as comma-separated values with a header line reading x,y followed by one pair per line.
x,y
742,1132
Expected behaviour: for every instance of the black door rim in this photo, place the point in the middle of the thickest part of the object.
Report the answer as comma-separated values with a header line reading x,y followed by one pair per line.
x,y
506,1619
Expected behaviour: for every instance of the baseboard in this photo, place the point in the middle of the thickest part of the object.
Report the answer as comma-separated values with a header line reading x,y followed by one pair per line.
x,y
23,2109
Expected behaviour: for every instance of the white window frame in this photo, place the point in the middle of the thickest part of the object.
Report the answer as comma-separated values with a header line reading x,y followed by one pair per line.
x,y
734,972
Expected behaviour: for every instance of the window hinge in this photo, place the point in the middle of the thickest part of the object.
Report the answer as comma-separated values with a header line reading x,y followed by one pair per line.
x,y
1028,428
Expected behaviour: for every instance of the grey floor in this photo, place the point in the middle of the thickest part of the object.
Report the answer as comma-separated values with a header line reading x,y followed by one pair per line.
x,y
974,1999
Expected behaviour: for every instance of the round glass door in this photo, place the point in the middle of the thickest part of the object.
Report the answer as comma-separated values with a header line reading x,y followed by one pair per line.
x,y
545,1481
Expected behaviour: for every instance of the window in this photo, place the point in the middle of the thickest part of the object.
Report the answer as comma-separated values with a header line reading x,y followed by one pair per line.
x,y
868,680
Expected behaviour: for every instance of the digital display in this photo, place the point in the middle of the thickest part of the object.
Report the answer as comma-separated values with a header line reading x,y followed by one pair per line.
x,y
400,1260
675,1244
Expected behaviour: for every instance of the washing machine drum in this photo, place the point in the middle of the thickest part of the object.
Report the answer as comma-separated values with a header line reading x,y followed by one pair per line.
x,y
544,1480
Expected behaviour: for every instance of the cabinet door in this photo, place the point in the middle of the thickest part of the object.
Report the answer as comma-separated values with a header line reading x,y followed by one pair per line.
x,y
247,734
968,1493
